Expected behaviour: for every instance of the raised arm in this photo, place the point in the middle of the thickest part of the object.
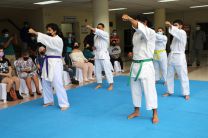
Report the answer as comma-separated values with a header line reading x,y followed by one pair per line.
x,y
133,22
174,31
43,38
161,38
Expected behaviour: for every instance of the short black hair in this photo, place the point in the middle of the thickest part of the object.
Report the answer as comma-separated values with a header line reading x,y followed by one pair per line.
x,y
180,22
102,25
54,27
4,31
142,18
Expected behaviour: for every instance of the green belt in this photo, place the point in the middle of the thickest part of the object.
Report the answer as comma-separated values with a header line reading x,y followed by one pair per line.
x,y
140,68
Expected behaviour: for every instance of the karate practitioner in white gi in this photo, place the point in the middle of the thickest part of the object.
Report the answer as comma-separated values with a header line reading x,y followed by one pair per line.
x,y
102,58
160,55
53,66
177,59
142,74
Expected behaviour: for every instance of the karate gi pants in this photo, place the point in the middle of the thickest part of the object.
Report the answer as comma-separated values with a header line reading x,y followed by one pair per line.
x,y
182,73
147,83
57,83
161,66
103,64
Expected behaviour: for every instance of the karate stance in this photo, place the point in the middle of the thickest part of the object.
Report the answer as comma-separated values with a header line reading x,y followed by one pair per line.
x,y
177,59
160,55
53,66
142,74
102,58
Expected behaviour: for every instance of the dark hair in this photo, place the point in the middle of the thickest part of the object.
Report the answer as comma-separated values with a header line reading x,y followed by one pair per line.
x,y
25,52
54,27
142,18
101,24
4,31
160,28
180,22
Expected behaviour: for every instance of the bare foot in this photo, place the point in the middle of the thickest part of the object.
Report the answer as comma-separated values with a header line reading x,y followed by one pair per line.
x,y
133,115
48,104
166,94
155,120
187,97
110,88
98,86
64,108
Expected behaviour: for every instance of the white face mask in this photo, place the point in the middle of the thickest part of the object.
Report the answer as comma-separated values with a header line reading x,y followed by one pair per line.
x,y
197,28
6,35
114,34
161,33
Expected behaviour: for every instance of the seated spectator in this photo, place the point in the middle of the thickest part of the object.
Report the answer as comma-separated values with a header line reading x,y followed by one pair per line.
x,y
40,60
27,70
79,61
7,78
89,55
115,51
8,42
71,70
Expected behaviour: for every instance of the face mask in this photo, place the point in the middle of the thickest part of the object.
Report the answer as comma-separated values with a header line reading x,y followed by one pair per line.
x,y
161,33
1,54
25,58
113,44
76,47
42,53
6,35
197,28
114,34
49,34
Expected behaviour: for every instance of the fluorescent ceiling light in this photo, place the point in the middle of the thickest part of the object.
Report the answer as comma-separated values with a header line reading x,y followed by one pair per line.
x,y
117,9
167,0
47,2
200,6
148,13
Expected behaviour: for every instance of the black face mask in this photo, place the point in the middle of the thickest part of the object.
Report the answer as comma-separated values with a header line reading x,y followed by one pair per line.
x,y
25,58
42,53
113,44
76,47
49,34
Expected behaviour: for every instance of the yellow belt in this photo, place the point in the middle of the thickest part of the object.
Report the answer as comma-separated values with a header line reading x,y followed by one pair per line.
x,y
157,54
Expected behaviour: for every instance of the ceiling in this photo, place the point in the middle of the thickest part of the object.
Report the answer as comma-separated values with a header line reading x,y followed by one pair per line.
x,y
131,5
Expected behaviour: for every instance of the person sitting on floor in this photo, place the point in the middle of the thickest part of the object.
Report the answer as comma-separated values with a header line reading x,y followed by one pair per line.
x,y
27,70
79,61
7,78
115,51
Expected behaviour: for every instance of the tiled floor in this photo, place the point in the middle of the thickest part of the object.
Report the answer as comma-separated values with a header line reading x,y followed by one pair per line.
x,y
195,73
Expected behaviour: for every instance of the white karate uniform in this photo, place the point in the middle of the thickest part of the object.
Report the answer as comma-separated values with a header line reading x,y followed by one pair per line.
x,y
54,47
177,61
143,48
160,57
102,58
